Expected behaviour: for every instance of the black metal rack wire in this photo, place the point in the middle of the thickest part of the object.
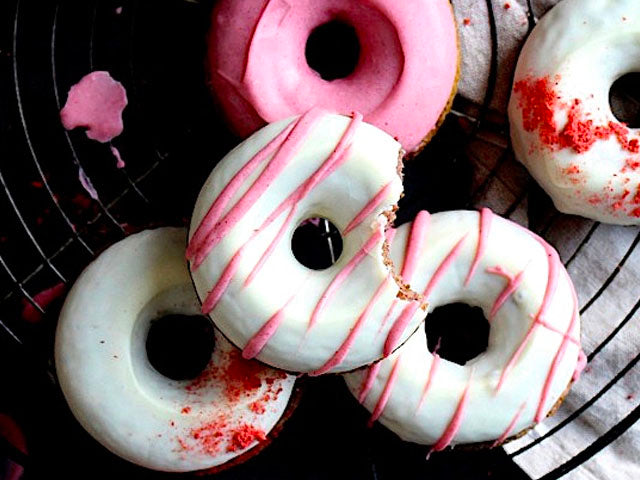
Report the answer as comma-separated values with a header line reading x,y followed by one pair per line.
x,y
52,228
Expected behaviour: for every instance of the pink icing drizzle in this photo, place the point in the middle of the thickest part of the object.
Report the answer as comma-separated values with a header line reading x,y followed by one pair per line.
x,y
512,285
369,208
342,352
510,427
454,424
372,373
540,412
96,102
401,323
486,216
260,339
435,362
223,282
417,236
116,153
340,278
386,393
582,363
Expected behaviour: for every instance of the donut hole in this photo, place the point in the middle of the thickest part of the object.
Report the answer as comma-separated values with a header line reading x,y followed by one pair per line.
x,y
333,50
316,243
457,332
624,98
180,346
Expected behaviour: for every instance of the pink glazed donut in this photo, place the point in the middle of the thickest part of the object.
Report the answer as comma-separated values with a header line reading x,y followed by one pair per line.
x,y
404,78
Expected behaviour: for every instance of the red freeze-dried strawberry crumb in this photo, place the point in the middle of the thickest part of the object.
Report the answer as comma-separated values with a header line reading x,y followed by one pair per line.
x,y
244,436
539,102
466,21
186,409
594,199
210,436
257,407
635,213
507,6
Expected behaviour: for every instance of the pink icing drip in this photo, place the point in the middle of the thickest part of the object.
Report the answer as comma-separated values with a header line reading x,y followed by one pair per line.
x,y
401,323
372,373
552,283
223,282
255,345
116,153
96,102
342,352
581,365
369,208
43,299
512,285
510,427
432,373
486,216
386,393
218,206
566,339
454,425
273,169
339,279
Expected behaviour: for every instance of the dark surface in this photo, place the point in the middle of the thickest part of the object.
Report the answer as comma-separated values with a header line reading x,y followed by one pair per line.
x,y
172,139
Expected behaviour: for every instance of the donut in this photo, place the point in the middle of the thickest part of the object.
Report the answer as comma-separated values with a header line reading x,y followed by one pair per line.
x,y
533,352
317,165
121,400
403,81
562,126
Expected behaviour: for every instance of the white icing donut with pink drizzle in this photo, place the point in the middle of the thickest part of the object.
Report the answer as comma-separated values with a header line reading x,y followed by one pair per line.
x,y
404,79
534,349
121,400
562,126
256,292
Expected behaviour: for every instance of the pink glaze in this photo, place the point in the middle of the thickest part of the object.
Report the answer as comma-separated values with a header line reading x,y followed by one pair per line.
x,y
500,440
486,216
512,285
43,299
96,103
116,153
369,208
456,421
386,393
372,373
340,354
340,278
259,71
405,317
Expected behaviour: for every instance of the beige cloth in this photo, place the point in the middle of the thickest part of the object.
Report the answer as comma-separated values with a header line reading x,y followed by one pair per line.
x,y
594,263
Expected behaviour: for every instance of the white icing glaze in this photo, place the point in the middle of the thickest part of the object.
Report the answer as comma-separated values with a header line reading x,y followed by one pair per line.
x,y
115,393
526,334
582,47
287,315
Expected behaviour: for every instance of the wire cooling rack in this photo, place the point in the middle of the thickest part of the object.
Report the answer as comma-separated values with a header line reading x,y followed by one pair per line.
x,y
52,228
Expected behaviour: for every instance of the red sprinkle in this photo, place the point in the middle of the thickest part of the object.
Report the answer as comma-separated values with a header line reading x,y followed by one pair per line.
x,y
244,436
539,102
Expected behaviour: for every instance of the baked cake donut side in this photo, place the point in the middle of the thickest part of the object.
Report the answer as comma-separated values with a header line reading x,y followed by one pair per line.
x,y
317,165
562,126
534,342
122,401
403,81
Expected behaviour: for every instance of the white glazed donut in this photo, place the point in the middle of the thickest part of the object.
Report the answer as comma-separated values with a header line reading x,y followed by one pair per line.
x,y
534,351
121,400
562,127
257,293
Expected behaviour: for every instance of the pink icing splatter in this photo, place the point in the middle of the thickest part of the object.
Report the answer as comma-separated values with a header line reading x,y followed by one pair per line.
x,y
96,103
30,313
116,153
